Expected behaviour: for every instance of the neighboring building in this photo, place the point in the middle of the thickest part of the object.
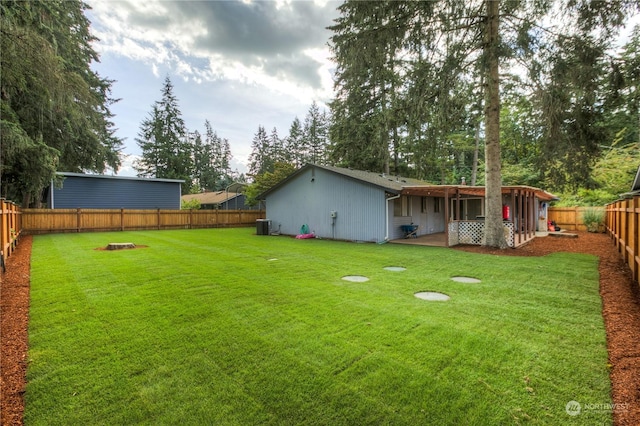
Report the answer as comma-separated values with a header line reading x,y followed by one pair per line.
x,y
355,205
82,191
635,187
230,198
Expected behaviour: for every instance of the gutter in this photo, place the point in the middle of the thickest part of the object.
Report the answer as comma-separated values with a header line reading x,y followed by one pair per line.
x,y
386,215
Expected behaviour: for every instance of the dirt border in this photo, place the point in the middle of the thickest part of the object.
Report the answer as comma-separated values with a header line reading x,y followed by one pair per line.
x,y
620,309
14,320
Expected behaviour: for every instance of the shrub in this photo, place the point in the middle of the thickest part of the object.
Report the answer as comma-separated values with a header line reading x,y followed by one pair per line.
x,y
593,218
190,205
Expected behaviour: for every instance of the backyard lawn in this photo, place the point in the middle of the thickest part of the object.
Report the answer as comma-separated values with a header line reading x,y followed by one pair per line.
x,y
221,326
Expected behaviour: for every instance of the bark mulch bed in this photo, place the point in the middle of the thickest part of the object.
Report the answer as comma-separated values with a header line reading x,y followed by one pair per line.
x,y
620,306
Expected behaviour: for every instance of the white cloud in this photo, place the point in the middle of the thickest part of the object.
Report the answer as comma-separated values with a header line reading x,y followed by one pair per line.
x,y
261,43
238,64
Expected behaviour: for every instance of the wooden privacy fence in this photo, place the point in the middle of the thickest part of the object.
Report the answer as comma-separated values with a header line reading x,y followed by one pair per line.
x,y
570,218
623,225
44,221
10,229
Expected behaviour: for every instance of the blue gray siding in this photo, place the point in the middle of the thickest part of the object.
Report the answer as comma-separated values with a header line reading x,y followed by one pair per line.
x,y
108,192
311,197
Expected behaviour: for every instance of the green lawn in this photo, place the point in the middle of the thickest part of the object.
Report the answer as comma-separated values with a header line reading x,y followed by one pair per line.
x,y
204,327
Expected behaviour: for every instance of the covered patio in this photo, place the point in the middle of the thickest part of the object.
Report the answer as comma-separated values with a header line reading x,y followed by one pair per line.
x,y
523,207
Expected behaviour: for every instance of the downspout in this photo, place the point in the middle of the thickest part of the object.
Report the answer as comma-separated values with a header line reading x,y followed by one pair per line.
x,y
386,216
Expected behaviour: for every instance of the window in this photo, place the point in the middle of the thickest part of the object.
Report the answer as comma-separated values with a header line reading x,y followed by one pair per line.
x,y
402,206
424,205
436,205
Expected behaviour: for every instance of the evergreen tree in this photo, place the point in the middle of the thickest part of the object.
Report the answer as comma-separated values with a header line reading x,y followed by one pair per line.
x,y
214,163
54,109
276,147
315,135
200,163
623,103
261,159
294,144
163,139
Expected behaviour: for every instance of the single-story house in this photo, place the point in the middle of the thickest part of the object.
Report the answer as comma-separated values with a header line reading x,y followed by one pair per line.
x,y
231,198
84,191
355,205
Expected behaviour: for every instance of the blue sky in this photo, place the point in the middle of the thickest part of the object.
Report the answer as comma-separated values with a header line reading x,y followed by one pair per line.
x,y
239,64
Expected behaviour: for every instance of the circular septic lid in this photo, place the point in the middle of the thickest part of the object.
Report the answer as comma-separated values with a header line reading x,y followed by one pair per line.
x,y
431,295
395,268
465,280
355,278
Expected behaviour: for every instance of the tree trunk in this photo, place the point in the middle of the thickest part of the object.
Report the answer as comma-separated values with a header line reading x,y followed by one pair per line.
x,y
474,166
494,233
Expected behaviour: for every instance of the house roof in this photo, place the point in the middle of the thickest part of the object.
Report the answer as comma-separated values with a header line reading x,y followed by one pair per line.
x,y
410,186
635,187
479,191
216,197
84,175
388,182
636,181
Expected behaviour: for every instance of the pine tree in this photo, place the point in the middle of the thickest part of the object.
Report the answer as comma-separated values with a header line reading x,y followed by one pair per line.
x,y
54,109
294,144
213,161
315,135
276,147
261,159
200,162
163,139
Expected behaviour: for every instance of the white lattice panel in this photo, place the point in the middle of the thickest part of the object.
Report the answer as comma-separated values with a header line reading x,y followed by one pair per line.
x,y
472,232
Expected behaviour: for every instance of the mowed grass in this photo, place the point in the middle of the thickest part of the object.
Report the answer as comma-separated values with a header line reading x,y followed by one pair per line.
x,y
205,327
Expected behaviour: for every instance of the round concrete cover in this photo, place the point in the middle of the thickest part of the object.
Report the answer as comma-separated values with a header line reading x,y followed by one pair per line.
x,y
395,268
355,278
466,280
432,295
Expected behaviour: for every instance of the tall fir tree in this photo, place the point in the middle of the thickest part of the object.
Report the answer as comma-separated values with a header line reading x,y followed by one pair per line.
x,y
315,135
214,163
294,144
54,109
261,157
164,142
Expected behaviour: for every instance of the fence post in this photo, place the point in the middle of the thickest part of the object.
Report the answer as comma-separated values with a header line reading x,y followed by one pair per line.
x,y
632,243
